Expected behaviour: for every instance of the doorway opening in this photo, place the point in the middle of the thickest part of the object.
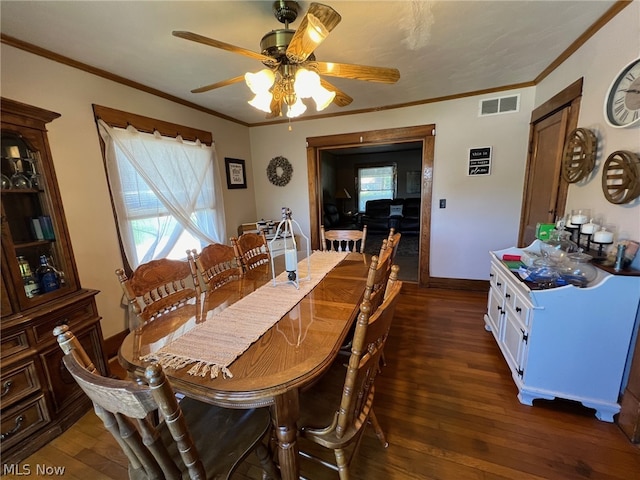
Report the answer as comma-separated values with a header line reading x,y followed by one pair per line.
x,y
333,152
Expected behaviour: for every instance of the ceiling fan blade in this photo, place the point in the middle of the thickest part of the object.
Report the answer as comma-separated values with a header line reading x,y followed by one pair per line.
x,y
194,37
341,99
314,28
359,72
223,83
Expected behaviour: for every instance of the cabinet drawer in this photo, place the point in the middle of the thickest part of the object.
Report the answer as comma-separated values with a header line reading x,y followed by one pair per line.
x,y
519,305
12,344
20,422
494,311
74,315
18,383
60,383
497,279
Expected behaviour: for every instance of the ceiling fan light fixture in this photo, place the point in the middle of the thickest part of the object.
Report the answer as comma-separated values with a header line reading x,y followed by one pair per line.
x,y
306,83
262,101
297,109
260,82
323,98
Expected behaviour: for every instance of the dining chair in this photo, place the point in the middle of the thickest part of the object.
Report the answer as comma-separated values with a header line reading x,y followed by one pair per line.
x,y
164,438
343,240
334,412
215,265
252,249
392,241
157,287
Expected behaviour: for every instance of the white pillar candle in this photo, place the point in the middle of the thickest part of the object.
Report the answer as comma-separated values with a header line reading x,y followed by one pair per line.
x,y
589,228
578,219
603,236
291,260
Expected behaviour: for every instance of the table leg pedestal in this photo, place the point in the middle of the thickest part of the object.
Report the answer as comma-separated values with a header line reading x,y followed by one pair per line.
x,y
285,412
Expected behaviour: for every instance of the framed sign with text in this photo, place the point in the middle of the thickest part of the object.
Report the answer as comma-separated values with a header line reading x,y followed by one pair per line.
x,y
479,161
236,175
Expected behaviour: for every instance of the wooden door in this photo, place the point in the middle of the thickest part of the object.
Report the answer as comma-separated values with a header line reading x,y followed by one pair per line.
x,y
545,191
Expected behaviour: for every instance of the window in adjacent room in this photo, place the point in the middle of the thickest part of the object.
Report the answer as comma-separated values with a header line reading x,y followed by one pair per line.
x,y
375,183
165,191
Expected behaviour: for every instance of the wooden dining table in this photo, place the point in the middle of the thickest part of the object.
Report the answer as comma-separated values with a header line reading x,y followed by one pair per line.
x,y
288,357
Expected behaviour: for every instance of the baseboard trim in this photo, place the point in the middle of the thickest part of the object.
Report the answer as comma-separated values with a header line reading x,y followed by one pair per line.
x,y
112,344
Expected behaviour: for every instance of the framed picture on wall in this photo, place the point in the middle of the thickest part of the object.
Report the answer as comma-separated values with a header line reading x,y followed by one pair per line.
x,y
236,175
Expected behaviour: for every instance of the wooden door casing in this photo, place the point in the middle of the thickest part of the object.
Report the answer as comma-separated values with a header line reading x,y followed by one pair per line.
x,y
545,191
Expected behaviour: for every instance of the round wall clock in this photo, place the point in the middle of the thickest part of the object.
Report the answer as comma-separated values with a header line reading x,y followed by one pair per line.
x,y
621,177
279,171
622,103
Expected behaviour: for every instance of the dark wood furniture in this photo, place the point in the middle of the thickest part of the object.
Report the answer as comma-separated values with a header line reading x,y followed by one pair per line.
x,y
289,356
252,248
158,286
39,398
192,440
215,265
336,410
343,240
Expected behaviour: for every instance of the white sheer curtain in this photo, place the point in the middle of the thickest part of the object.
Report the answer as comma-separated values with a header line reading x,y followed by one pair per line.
x,y
167,193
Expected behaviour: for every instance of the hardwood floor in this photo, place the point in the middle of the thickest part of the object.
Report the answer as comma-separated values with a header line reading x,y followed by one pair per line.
x,y
448,406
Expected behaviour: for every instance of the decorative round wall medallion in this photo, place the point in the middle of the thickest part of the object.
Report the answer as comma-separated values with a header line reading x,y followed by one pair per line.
x,y
279,171
579,156
621,177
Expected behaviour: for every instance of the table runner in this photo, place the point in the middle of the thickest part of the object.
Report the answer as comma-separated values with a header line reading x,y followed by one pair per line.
x,y
210,347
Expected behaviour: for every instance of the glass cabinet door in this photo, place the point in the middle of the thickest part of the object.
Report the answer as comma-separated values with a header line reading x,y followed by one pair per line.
x,y
37,260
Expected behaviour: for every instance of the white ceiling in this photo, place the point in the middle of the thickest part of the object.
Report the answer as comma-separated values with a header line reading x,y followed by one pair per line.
x,y
440,47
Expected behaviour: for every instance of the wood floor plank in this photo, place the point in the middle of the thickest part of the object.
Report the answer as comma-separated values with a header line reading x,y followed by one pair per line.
x,y
449,408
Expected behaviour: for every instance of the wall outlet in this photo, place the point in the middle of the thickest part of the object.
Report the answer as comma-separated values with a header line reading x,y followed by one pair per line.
x,y
443,203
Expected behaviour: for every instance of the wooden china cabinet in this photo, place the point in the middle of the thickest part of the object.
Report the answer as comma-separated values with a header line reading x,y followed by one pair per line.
x,y
39,399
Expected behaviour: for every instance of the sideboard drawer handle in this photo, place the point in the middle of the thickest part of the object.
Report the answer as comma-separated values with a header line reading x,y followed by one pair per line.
x,y
6,386
498,284
14,430
518,309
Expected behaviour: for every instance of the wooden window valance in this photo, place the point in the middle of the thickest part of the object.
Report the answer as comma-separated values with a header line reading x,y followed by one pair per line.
x,y
118,118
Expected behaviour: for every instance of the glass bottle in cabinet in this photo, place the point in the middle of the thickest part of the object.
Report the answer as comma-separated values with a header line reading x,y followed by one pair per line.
x,y
33,223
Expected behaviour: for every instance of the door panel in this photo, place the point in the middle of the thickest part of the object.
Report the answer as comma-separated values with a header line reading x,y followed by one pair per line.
x,y
544,173
545,191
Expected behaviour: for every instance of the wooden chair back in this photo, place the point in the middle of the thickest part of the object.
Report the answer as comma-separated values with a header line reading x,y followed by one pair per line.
x,y
126,409
215,265
200,442
368,344
252,249
377,278
157,287
355,409
392,242
343,240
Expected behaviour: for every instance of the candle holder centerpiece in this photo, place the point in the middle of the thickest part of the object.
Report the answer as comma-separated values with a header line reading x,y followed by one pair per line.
x,y
285,231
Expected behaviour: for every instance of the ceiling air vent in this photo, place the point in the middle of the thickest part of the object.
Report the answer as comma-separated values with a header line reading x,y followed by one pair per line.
x,y
496,106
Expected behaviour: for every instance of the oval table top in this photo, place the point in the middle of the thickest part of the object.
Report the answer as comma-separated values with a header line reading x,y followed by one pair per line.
x,y
291,354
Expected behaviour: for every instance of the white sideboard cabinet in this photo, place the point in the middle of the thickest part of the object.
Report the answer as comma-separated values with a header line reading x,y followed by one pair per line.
x,y
564,342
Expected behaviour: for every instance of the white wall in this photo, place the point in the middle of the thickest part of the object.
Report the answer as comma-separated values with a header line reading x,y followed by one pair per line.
x,y
482,212
78,161
599,61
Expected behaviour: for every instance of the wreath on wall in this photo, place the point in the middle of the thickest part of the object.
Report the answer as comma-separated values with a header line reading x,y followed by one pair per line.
x,y
279,171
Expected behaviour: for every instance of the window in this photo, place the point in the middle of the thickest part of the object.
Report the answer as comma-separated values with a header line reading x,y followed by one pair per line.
x,y
166,193
375,183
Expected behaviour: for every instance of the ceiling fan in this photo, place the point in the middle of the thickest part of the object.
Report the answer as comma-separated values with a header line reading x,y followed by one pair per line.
x,y
292,72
